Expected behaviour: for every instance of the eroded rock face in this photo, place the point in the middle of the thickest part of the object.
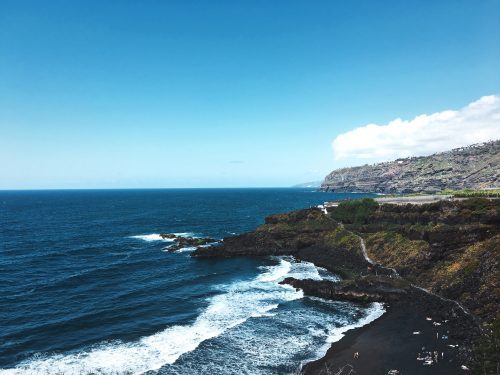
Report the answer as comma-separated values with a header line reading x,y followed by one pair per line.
x,y
305,234
474,167
449,247
367,289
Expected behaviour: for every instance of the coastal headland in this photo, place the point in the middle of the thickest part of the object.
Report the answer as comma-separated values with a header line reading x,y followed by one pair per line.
x,y
434,265
472,167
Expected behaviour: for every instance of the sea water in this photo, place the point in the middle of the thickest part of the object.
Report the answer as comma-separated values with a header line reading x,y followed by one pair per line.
x,y
87,286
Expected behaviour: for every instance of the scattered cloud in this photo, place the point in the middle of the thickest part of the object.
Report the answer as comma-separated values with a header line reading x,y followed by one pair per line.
x,y
477,122
236,161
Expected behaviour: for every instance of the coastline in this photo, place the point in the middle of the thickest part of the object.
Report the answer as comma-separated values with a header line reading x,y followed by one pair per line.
x,y
426,329
375,312
389,343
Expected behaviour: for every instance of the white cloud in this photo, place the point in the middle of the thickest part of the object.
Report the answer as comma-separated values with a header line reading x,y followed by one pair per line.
x,y
424,135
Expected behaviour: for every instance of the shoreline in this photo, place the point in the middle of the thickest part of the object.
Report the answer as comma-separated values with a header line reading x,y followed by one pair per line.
x,y
389,327
422,332
376,313
389,342
392,327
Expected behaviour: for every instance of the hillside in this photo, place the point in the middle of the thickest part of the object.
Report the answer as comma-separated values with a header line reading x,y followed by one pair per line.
x,y
449,247
472,167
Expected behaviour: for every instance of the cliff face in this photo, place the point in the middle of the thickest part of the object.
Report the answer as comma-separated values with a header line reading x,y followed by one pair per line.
x,y
449,247
306,234
472,167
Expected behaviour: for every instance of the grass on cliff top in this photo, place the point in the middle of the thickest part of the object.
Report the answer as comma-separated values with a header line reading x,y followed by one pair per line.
x,y
309,220
469,193
463,193
358,211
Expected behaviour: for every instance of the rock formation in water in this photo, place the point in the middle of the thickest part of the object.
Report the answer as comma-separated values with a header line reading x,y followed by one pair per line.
x,y
472,167
180,242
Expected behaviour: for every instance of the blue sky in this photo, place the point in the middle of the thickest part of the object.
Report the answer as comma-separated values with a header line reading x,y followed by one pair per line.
x,y
98,94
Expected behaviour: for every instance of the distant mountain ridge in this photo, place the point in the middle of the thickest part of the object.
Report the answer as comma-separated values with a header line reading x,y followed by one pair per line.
x,y
312,184
471,167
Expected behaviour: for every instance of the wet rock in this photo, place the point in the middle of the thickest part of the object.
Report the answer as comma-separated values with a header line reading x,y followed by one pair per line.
x,y
181,242
368,289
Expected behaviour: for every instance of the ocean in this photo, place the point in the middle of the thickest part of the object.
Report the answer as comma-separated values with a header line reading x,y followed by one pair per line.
x,y
87,286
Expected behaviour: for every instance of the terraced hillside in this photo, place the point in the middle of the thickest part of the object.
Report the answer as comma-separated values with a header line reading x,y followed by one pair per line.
x,y
472,167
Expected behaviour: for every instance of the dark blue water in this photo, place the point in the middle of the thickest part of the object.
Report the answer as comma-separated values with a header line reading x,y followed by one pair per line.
x,y
87,287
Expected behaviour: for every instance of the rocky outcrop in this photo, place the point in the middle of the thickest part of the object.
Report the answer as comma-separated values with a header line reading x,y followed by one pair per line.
x,y
181,242
472,167
449,247
392,290
306,234
368,289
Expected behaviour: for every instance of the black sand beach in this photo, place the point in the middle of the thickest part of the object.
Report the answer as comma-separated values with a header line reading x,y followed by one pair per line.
x,y
391,342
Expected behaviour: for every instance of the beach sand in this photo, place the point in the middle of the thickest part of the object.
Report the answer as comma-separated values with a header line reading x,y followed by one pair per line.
x,y
389,343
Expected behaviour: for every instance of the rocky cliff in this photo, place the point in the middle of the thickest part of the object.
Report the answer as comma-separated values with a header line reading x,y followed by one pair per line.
x,y
472,167
450,248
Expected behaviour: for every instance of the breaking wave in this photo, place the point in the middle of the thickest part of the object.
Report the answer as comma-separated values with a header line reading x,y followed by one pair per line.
x,y
238,302
157,237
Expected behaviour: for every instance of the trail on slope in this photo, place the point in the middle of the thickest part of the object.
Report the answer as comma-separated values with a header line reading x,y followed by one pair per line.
x,y
396,274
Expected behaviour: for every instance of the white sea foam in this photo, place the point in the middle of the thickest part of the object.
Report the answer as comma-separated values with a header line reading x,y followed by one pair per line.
x,y
304,270
275,273
151,237
157,237
375,311
190,248
186,249
327,275
239,302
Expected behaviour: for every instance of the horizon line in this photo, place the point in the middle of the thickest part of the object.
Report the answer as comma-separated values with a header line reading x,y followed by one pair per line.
x,y
158,188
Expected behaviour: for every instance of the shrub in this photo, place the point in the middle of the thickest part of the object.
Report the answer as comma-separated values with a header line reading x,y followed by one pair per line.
x,y
358,211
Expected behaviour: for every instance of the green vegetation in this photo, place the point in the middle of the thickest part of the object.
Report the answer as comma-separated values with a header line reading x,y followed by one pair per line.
x,y
394,250
463,193
298,222
469,193
358,211
343,238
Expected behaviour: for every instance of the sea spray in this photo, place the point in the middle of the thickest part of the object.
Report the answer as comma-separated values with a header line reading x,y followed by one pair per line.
x,y
239,301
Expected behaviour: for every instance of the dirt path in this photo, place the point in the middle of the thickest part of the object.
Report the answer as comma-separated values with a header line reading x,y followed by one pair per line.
x,y
396,274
